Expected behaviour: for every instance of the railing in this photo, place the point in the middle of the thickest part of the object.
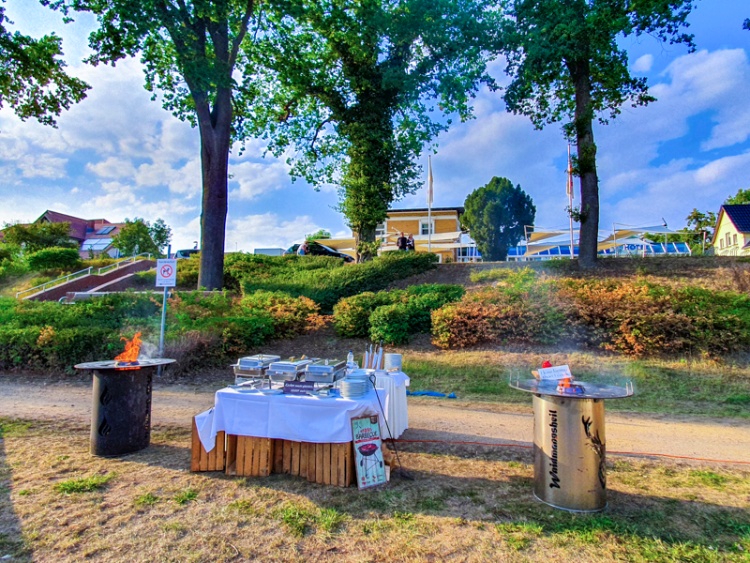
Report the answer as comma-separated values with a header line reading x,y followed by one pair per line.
x,y
81,273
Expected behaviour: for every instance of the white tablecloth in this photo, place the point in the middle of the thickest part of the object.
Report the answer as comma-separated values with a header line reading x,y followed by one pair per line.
x,y
300,418
397,415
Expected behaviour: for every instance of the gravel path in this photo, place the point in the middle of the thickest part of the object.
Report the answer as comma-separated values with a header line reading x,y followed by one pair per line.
x,y
429,419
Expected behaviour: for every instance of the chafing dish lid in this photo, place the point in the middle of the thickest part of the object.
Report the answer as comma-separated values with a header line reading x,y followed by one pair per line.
x,y
257,361
326,366
289,365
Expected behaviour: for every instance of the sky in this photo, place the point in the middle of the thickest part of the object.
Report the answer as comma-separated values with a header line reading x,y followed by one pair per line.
x,y
119,155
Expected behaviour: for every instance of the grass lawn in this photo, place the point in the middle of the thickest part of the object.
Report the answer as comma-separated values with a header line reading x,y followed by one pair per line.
x,y
681,387
57,503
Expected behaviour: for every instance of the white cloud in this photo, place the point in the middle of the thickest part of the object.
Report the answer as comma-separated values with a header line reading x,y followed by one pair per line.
x,y
643,63
254,179
268,230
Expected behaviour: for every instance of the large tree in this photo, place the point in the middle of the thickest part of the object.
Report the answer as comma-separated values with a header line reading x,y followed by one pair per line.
x,y
360,87
567,63
198,54
495,215
33,82
138,236
742,197
38,236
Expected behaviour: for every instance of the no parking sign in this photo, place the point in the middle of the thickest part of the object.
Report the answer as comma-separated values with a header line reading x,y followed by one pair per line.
x,y
166,272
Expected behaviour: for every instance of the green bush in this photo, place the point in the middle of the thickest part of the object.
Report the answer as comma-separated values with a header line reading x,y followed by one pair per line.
x,y
351,315
391,324
54,258
290,315
314,276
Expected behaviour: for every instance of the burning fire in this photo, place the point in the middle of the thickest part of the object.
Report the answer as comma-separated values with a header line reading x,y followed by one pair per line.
x,y
132,349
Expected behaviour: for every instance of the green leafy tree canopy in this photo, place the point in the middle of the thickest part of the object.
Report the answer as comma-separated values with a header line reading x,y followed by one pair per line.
x,y
359,87
200,56
567,63
740,198
33,82
495,216
139,236
37,236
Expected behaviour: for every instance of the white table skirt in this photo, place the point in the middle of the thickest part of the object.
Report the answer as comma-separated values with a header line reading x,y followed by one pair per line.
x,y
397,415
299,418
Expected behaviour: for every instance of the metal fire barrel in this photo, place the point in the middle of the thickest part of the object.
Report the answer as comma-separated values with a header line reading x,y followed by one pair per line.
x,y
570,453
121,407
569,441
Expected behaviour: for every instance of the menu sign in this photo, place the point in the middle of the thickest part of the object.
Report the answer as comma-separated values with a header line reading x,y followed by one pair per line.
x,y
299,387
368,457
554,373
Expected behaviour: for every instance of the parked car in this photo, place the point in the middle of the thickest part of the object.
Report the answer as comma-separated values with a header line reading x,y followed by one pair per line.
x,y
317,249
186,253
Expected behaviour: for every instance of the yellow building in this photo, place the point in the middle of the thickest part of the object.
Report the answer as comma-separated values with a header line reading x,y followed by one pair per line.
x,y
732,233
437,230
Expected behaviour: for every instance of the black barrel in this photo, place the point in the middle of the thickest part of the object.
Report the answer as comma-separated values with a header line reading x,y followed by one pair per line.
x,y
121,415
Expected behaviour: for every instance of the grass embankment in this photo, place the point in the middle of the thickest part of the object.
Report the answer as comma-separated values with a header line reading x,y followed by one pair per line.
x,y
702,388
57,503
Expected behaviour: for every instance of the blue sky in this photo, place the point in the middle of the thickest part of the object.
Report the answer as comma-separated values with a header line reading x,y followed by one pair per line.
x,y
118,154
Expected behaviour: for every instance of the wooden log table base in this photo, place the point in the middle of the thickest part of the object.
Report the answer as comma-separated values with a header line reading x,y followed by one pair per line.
x,y
248,456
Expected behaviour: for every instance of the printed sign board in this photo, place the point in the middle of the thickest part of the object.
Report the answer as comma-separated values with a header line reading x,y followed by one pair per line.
x,y
166,272
555,372
299,387
368,457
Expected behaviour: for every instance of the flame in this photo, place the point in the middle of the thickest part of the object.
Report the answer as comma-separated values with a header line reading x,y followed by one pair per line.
x,y
132,349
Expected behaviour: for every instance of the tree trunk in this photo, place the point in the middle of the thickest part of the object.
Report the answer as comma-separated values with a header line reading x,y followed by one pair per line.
x,y
584,131
215,139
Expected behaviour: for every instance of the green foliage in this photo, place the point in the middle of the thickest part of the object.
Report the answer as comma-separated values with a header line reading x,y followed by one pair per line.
x,y
326,280
139,236
84,485
34,82
54,259
392,316
742,197
186,496
290,315
38,236
567,61
351,315
391,324
350,90
495,215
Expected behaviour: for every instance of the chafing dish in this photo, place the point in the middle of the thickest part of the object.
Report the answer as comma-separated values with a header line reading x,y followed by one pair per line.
x,y
287,370
325,371
253,367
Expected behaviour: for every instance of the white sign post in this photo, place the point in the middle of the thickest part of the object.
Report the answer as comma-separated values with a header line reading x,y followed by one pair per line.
x,y
166,277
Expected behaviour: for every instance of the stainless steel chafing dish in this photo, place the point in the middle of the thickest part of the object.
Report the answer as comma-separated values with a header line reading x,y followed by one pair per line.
x,y
325,371
287,370
253,367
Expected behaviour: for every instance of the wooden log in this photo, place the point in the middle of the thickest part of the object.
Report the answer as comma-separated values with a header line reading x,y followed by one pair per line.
x,y
231,456
328,464
295,458
319,463
278,456
241,455
195,451
257,452
287,457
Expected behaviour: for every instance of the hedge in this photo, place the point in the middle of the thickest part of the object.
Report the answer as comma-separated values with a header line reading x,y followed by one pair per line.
x,y
54,259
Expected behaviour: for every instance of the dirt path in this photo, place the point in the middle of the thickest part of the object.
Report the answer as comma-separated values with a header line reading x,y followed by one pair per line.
x,y
429,419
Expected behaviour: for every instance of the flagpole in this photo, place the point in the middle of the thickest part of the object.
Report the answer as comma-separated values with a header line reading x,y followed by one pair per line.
x,y
570,203
429,203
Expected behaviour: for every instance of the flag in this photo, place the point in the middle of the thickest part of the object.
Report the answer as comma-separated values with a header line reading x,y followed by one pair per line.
x,y
569,187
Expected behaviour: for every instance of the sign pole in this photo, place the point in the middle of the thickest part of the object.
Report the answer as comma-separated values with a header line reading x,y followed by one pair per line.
x,y
166,277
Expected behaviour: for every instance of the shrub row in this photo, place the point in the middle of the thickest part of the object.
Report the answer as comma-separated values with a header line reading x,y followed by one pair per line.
x,y
630,317
327,280
392,316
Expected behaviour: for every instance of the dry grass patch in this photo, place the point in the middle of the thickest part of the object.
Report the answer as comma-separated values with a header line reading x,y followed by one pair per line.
x,y
464,504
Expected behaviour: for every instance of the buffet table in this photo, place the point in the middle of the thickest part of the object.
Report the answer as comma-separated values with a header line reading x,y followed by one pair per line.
x,y
254,434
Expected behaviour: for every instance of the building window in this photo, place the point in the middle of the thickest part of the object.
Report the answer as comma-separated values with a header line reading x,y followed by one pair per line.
x,y
380,230
729,239
734,240
425,228
721,244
